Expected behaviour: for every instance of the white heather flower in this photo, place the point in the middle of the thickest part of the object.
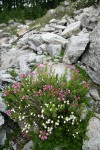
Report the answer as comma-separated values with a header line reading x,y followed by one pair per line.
x,y
31,113
34,114
50,109
72,113
67,102
52,121
26,131
13,110
46,105
64,121
42,116
57,123
58,117
23,117
62,117
43,124
42,111
64,102
19,118
67,119
76,132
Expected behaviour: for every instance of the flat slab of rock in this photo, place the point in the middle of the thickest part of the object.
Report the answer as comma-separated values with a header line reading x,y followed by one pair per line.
x,y
54,39
71,29
94,135
21,32
3,40
76,47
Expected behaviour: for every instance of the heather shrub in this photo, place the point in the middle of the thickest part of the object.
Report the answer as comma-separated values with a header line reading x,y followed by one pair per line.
x,y
50,108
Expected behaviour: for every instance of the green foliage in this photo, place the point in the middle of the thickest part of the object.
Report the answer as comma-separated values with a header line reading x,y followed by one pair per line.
x,y
13,73
22,10
50,108
84,3
83,73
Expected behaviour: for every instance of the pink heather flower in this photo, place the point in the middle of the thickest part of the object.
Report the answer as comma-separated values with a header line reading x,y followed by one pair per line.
x,y
39,65
70,66
16,87
6,93
31,73
35,93
59,99
86,85
25,135
68,91
8,112
24,97
43,135
22,75
76,71
46,87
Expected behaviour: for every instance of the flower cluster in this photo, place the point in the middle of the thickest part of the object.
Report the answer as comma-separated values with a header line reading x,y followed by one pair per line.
x,y
48,106
16,87
43,135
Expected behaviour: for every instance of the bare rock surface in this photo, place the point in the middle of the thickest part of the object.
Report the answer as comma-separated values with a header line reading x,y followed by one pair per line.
x,y
92,57
94,135
76,47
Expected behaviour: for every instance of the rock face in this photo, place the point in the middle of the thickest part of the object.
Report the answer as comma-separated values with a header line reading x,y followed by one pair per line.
x,y
54,39
76,47
92,57
2,136
2,105
73,28
54,49
94,135
1,120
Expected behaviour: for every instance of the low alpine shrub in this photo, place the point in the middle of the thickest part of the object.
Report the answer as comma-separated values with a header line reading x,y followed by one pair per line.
x,y
50,108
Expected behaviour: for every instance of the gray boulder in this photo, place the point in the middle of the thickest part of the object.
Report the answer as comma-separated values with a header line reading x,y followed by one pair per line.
x,y
2,136
54,39
28,146
94,135
76,47
54,49
1,120
36,39
92,57
42,49
71,29
94,94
